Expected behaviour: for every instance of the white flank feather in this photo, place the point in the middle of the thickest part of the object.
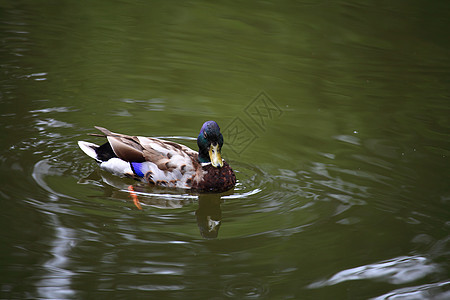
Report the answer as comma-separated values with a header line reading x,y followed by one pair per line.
x,y
117,167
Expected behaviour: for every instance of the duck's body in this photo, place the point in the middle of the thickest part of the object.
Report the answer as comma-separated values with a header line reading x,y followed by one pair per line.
x,y
166,163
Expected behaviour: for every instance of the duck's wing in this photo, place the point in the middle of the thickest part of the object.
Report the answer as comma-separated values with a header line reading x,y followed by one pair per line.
x,y
125,147
140,149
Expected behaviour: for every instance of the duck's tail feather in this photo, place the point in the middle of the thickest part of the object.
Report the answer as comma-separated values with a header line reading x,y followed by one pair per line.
x,y
99,153
105,131
90,149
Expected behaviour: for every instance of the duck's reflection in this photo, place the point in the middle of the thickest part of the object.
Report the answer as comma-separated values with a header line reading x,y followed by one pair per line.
x,y
208,213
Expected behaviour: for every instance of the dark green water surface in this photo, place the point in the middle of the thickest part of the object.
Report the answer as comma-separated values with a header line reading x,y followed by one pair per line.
x,y
336,118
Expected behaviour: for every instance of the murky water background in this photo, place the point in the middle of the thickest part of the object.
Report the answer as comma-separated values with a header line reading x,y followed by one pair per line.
x,y
336,120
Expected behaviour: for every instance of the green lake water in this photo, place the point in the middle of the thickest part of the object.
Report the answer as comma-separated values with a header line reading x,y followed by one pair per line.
x,y
336,120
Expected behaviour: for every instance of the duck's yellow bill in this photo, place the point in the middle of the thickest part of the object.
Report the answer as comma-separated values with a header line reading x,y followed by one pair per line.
x,y
214,156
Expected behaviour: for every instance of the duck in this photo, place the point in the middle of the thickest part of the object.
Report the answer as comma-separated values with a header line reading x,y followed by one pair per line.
x,y
165,163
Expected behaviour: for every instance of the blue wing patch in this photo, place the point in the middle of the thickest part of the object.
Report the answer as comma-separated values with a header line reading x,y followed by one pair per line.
x,y
137,168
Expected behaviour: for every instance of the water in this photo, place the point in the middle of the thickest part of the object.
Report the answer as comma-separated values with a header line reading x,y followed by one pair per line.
x,y
336,121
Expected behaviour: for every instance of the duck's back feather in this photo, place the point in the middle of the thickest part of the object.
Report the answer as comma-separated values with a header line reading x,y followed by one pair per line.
x,y
157,161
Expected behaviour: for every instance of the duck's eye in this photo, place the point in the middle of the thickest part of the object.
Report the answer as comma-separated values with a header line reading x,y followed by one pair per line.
x,y
205,135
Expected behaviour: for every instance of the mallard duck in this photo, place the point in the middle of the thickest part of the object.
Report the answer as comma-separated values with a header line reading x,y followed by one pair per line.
x,y
165,163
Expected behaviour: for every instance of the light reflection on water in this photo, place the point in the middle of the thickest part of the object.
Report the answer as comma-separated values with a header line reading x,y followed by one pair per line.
x,y
438,290
57,272
398,270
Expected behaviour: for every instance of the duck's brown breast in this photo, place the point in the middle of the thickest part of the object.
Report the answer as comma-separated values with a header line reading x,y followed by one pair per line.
x,y
216,180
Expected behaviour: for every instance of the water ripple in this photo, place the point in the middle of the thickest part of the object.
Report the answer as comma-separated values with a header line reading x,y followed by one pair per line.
x,y
438,291
398,270
245,287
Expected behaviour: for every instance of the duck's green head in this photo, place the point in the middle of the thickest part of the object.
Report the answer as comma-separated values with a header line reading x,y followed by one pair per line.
x,y
210,142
